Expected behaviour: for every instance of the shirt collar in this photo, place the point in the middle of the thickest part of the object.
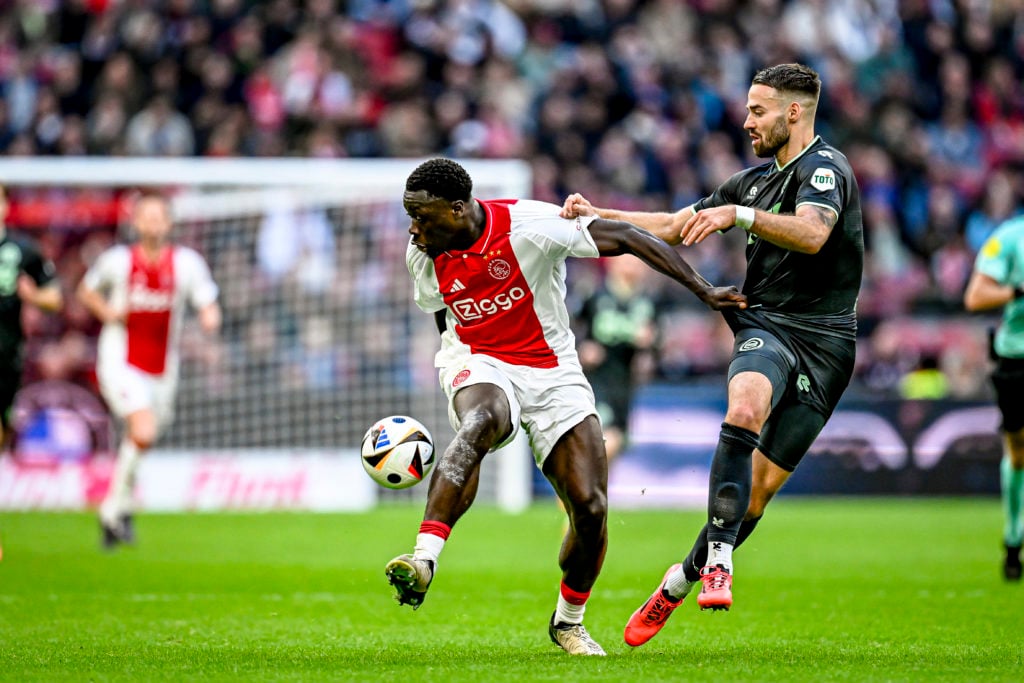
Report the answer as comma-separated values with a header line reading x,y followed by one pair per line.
x,y
802,152
480,246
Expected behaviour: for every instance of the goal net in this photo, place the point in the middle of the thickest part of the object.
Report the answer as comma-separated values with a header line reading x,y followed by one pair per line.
x,y
320,335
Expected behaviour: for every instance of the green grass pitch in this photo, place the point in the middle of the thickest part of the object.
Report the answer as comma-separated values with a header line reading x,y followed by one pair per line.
x,y
827,590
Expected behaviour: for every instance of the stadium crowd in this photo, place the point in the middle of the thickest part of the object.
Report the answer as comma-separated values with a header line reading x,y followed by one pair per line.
x,y
635,103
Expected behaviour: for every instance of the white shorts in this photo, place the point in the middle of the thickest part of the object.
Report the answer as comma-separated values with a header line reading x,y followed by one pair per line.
x,y
547,402
127,389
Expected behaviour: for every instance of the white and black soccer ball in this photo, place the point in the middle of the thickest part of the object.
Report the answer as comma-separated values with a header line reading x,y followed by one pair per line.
x,y
397,452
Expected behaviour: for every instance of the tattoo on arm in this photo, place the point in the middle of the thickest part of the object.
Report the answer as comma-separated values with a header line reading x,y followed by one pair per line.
x,y
828,217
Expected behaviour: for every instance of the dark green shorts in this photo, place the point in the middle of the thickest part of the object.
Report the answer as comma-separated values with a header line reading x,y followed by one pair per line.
x,y
10,379
808,372
1008,382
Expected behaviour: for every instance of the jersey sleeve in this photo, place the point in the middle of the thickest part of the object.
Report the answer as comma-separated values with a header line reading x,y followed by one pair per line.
x,y
104,270
426,292
724,194
995,259
202,290
824,181
36,266
558,238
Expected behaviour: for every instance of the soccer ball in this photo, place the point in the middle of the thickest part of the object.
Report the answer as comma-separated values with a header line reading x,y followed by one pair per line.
x,y
397,452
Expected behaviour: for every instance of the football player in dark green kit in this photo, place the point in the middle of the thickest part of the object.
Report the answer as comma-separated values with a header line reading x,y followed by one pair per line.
x,y
795,344
26,277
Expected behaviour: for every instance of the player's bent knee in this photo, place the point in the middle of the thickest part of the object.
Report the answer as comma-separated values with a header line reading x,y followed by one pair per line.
x,y
746,416
758,502
1015,441
591,510
142,443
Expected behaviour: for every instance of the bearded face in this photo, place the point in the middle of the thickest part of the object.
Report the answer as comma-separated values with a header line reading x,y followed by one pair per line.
x,y
773,139
766,121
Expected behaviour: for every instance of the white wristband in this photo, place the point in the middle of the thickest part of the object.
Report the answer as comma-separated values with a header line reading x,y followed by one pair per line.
x,y
744,217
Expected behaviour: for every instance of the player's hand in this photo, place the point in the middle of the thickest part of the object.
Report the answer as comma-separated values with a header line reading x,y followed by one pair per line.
x,y
576,205
28,290
114,315
720,298
706,222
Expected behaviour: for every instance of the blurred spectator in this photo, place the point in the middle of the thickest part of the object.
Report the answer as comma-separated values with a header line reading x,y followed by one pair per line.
x,y
999,202
926,381
619,330
637,103
159,130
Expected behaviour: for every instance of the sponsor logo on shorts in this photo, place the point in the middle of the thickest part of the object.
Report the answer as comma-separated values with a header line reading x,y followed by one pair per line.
x,y
751,344
823,179
499,269
803,382
460,378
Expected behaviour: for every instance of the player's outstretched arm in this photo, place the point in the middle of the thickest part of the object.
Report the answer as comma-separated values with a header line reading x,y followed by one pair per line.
x,y
984,293
614,238
47,298
806,231
97,304
665,226
210,318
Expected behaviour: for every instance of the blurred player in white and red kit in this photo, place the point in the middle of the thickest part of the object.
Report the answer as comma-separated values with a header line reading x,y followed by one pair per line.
x,y
139,292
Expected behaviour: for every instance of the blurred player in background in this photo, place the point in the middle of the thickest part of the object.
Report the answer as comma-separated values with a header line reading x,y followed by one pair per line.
x,y
796,342
998,281
620,321
25,278
139,293
493,273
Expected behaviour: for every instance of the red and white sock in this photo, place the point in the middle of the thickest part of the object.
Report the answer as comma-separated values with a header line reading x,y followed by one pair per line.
x,y
571,605
430,540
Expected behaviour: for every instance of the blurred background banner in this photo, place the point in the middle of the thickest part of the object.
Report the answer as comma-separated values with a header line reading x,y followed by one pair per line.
x,y
176,481
869,446
284,131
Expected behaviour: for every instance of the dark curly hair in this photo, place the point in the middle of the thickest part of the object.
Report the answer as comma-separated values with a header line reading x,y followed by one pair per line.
x,y
790,78
441,178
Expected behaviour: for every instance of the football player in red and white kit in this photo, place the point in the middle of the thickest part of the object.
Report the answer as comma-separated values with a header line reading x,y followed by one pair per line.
x,y
139,293
493,273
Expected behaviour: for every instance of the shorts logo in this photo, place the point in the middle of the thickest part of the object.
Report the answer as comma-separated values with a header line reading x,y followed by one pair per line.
x,y
499,269
803,383
751,344
460,378
823,179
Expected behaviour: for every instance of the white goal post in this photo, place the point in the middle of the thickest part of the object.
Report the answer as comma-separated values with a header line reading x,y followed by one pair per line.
x,y
321,336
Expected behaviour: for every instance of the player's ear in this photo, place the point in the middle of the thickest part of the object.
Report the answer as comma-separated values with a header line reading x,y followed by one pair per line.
x,y
458,207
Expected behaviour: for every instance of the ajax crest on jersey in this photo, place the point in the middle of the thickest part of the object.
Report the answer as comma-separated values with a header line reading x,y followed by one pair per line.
x,y
397,452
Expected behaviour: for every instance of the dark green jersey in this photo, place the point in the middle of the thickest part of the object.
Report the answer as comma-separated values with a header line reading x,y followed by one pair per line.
x,y
810,291
17,256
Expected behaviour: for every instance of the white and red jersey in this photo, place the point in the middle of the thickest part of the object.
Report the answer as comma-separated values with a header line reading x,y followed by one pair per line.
x,y
154,295
505,295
